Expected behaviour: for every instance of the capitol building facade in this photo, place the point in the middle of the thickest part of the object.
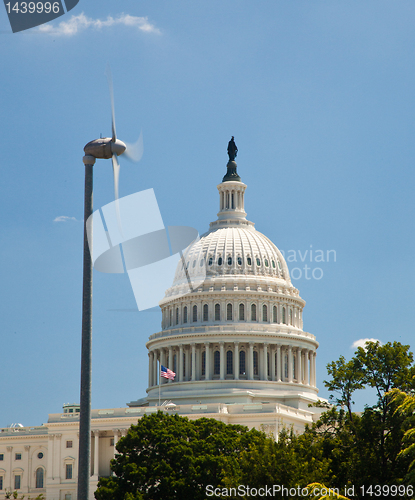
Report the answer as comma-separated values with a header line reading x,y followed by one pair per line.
x,y
232,331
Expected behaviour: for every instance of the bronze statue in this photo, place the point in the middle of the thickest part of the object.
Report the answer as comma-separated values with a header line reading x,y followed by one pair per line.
x,y
232,149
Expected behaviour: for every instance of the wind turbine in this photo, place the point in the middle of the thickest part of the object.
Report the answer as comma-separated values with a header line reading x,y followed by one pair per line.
x,y
107,147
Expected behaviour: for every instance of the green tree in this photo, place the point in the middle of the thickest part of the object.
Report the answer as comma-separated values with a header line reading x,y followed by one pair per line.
x,y
166,456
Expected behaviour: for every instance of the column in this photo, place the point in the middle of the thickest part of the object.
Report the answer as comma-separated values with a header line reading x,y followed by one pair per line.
x,y
10,450
50,457
251,361
155,368
193,362
313,366
180,363
306,367
207,361
278,363
280,313
265,363
116,438
236,360
27,468
299,366
222,360
290,364
272,354
150,368
58,446
96,452
170,362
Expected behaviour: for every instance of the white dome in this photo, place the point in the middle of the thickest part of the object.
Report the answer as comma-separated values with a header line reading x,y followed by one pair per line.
x,y
234,251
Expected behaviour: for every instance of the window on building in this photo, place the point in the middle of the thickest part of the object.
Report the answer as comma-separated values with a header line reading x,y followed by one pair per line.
x,y
69,444
239,261
39,477
177,315
185,315
40,455
216,363
291,317
194,314
170,319
249,261
205,312
253,312
1,483
264,313
283,316
229,261
203,363
229,363
17,478
242,369
268,367
1,456
18,456
273,264
210,261
266,263
68,496
68,471
256,363
241,312
229,312
286,366
274,314
258,262
217,312
112,441
184,365
220,261
175,363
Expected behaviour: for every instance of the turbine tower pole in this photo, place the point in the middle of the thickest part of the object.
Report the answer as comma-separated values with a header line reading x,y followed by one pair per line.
x,y
84,464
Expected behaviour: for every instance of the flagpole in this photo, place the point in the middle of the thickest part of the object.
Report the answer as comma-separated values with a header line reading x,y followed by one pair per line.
x,y
159,383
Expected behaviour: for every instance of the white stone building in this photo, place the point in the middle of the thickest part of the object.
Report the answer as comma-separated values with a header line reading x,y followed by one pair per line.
x,y
236,343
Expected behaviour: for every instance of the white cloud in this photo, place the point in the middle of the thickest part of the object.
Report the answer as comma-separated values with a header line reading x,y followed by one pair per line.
x,y
81,22
63,218
362,342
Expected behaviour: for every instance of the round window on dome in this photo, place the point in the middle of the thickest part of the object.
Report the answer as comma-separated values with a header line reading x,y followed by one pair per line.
x,y
239,261
220,261
210,261
229,261
40,455
249,261
266,263
258,262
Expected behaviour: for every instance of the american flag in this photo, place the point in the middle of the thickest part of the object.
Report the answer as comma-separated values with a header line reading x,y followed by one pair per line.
x,y
166,373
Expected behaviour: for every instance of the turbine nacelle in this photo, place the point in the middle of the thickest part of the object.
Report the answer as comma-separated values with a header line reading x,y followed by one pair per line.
x,y
105,148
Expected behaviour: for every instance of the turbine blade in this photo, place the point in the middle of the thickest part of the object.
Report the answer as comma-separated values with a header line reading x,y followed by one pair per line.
x,y
134,152
116,170
109,78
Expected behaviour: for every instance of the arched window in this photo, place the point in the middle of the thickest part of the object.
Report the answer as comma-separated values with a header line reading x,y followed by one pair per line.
x,y
229,312
39,477
256,363
291,317
175,363
203,363
185,314
283,316
194,314
253,312
249,261
241,312
216,363
242,368
170,318
205,312
274,314
286,366
220,261
184,365
239,261
177,315
264,313
268,369
229,363
294,364
217,312
258,262
210,261
229,261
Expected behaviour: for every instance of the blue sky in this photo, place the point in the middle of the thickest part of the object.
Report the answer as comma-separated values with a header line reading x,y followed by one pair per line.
x,y
320,98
